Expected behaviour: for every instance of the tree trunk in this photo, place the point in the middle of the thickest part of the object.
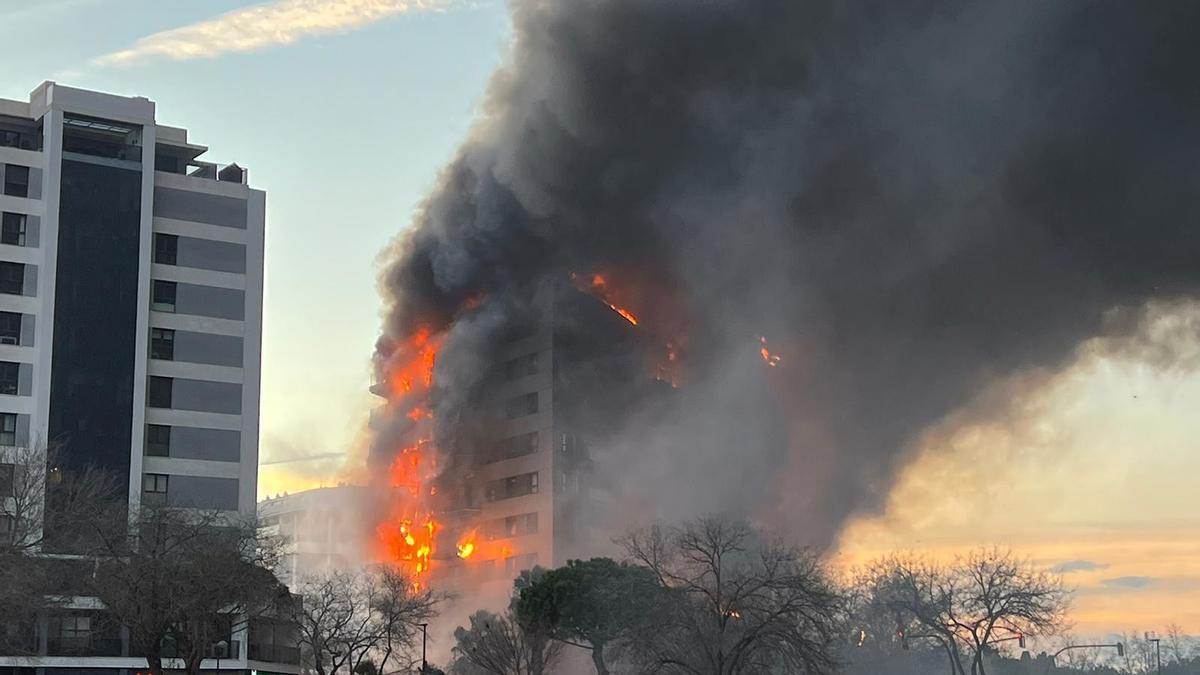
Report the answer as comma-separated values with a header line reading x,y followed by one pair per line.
x,y
154,663
598,659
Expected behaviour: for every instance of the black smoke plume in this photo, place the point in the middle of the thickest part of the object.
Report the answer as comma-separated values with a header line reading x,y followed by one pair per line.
x,y
908,198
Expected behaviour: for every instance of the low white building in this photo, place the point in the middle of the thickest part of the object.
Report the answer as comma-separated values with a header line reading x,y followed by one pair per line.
x,y
320,530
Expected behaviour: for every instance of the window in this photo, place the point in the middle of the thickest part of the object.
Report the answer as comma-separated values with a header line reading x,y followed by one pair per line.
x,y
158,394
12,278
166,248
516,446
512,526
10,328
6,528
158,440
8,473
517,563
163,299
521,367
154,488
10,377
520,406
75,627
513,486
8,429
162,344
16,181
12,228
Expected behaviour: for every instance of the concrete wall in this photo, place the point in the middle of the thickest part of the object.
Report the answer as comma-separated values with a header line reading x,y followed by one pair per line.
x,y
204,396
208,348
203,492
200,207
217,445
207,254
218,303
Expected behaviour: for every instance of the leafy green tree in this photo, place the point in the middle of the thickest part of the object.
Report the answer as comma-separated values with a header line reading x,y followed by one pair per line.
x,y
591,604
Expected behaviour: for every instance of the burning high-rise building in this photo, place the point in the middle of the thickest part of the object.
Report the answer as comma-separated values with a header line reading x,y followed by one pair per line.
x,y
508,481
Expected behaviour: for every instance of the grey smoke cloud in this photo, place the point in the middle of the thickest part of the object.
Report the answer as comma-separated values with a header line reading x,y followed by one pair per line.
x,y
909,199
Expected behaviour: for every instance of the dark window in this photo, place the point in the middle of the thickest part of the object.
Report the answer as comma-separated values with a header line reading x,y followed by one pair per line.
x,y
12,229
166,248
8,429
516,446
16,181
158,394
520,406
12,278
158,440
162,344
10,328
521,367
513,486
6,528
164,296
10,377
8,473
154,488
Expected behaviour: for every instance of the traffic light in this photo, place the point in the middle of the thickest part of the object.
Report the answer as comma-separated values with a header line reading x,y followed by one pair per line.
x,y
1120,649
1021,640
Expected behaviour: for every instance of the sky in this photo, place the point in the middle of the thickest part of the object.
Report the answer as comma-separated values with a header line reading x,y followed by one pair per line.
x,y
345,110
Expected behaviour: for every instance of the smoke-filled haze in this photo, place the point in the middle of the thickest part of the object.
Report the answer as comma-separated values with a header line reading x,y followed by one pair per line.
x,y
912,200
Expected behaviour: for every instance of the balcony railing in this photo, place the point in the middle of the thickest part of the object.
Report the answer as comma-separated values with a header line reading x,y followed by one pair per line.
x,y
274,654
84,646
232,649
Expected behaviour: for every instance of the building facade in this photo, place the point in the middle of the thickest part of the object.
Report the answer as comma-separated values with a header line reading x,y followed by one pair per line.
x,y
320,530
131,285
522,486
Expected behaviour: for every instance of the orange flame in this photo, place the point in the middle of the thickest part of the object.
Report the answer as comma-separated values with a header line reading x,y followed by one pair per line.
x,y
406,538
466,545
771,359
599,288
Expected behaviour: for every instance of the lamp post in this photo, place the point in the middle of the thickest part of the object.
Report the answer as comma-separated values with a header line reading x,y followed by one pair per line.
x,y
1152,637
220,649
424,638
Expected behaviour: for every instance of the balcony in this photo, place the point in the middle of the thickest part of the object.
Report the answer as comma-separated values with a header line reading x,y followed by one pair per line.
x,y
274,654
183,165
219,649
21,138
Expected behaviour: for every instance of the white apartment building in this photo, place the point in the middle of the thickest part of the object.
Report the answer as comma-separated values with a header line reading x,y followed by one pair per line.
x,y
131,286
320,530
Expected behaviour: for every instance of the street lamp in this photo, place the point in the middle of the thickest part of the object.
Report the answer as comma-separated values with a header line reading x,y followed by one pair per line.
x,y
220,649
1152,637
424,638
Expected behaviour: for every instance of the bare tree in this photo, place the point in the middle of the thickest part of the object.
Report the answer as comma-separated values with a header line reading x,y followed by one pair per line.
x,y
27,580
349,619
1178,644
400,611
498,645
177,576
742,604
970,607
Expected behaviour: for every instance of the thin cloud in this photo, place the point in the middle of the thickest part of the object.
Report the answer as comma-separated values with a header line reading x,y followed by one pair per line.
x,y
1129,582
261,26
1078,566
